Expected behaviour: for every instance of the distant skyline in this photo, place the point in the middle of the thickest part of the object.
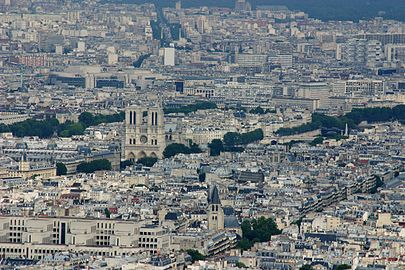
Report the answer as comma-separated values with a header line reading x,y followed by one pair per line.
x,y
322,9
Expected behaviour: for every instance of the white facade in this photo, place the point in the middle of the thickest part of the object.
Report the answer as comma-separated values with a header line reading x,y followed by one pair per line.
x,y
169,57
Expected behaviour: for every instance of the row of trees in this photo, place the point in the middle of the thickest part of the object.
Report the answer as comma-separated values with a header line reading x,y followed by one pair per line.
x,y
336,267
47,128
85,167
95,165
353,118
88,119
31,127
238,139
260,110
233,141
205,105
179,148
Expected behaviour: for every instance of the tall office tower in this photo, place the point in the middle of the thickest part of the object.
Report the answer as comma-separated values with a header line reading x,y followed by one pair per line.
x,y
81,46
169,57
202,24
242,5
375,54
315,90
148,31
73,16
365,87
354,52
360,52
215,211
395,54
178,5
144,132
112,56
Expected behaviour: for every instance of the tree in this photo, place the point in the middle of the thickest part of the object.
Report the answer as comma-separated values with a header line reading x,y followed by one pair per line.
x,y
257,110
61,169
241,265
352,119
147,161
306,267
48,127
245,244
126,163
257,230
86,118
205,105
234,138
316,141
342,267
95,165
178,148
195,255
107,213
216,147
69,129
231,138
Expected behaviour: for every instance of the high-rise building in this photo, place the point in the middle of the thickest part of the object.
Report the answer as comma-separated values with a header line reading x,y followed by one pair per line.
x,y
178,5
395,54
316,90
169,56
242,5
81,46
144,132
364,87
361,52
73,16
375,54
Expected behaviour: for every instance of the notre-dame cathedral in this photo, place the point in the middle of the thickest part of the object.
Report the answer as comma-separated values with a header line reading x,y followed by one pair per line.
x,y
144,132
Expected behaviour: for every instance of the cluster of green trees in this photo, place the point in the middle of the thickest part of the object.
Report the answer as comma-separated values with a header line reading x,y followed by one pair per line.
x,y
235,138
260,110
342,267
61,169
47,128
353,118
257,230
88,119
147,161
306,267
139,61
233,142
241,265
204,105
316,141
336,267
179,148
95,165
125,163
31,127
216,147
195,255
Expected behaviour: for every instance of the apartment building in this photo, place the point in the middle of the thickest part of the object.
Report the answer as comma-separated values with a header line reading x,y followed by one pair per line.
x,y
35,237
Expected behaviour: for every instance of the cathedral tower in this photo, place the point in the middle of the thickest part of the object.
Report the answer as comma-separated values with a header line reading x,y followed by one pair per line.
x,y
144,132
